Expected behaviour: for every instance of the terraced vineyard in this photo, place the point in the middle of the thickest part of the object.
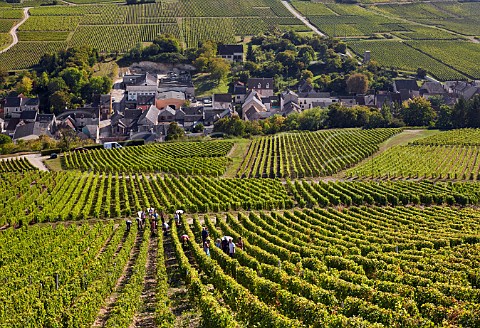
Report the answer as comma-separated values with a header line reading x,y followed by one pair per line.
x,y
207,158
310,154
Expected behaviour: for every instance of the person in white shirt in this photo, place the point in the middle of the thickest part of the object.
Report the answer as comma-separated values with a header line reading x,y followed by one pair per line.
x,y
231,248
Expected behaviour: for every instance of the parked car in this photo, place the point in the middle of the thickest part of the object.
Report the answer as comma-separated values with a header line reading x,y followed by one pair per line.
x,y
53,155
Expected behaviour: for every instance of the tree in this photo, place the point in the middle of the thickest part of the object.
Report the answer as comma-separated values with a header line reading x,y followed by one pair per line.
x,y
357,83
74,78
444,120
417,112
4,139
59,100
56,84
250,53
174,132
198,128
68,137
167,43
219,69
25,86
421,73
3,75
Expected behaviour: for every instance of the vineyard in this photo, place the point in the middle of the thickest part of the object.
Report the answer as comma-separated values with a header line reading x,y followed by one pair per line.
x,y
105,26
423,161
460,137
206,158
346,253
310,154
15,165
401,56
45,197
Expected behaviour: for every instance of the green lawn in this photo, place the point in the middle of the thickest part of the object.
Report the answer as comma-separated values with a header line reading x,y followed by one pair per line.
x,y
205,86
237,153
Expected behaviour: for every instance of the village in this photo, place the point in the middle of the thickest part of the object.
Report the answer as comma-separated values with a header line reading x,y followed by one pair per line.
x,y
143,103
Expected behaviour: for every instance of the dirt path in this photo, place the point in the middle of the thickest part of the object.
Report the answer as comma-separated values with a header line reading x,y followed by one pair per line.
x,y
105,311
185,313
13,31
145,316
302,18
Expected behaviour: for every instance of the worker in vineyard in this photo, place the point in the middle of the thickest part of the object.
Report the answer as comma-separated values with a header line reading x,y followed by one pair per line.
x,y
185,240
218,243
231,248
225,245
139,220
240,243
206,246
204,234
165,228
129,224
153,226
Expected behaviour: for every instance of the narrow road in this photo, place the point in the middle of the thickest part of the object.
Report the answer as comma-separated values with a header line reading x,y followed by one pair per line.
x,y
13,31
302,18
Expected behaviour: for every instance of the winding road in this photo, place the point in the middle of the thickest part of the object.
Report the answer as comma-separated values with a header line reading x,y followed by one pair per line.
x,y
302,18
13,31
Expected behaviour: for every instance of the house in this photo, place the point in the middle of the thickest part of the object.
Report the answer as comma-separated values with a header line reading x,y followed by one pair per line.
x,y
291,108
304,86
11,126
140,85
45,124
387,98
211,115
222,100
25,131
287,97
144,102
192,116
29,116
409,85
148,119
173,99
181,82
104,102
253,108
118,125
166,115
230,52
308,100
430,89
264,86
463,89
90,132
239,92
15,105
81,117
347,101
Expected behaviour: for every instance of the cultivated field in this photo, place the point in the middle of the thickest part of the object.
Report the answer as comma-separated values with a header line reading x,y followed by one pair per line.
x,y
316,253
